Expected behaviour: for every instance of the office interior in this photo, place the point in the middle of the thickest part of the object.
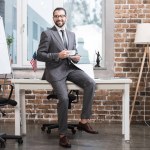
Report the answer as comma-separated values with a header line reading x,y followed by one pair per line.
x,y
113,37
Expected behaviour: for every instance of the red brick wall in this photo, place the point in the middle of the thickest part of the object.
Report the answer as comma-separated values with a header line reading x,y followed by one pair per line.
x,y
128,56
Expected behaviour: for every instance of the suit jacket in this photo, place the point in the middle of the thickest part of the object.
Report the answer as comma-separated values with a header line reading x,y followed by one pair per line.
x,y
49,47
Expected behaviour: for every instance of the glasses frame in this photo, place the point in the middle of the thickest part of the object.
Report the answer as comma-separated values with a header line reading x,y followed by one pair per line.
x,y
57,16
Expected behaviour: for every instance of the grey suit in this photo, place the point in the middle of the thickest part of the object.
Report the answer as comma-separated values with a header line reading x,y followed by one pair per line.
x,y
57,71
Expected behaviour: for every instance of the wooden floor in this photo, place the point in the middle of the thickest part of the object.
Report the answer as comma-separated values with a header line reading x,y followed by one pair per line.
x,y
109,138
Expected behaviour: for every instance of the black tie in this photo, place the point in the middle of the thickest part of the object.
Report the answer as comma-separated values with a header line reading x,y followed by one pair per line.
x,y
64,39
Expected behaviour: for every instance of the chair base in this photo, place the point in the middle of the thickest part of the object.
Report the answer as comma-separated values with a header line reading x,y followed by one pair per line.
x,y
56,126
4,137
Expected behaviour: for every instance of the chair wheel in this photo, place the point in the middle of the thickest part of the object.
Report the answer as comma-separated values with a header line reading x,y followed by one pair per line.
x,y
43,128
73,131
20,141
49,131
2,144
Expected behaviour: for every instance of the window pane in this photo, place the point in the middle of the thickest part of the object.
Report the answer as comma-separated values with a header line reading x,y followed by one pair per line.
x,y
35,31
39,17
85,19
9,13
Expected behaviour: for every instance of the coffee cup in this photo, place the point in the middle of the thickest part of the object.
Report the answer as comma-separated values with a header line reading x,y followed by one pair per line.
x,y
72,52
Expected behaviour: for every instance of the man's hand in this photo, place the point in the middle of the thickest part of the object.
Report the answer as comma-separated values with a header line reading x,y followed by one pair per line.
x,y
63,54
75,58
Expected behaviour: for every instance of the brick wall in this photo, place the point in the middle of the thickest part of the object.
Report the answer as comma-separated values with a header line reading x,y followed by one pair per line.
x,y
128,57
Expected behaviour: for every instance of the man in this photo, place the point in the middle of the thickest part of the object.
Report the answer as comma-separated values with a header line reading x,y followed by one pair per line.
x,y
53,50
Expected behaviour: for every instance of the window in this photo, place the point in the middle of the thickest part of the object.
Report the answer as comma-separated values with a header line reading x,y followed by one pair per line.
x,y
39,16
41,29
10,21
85,19
92,21
35,31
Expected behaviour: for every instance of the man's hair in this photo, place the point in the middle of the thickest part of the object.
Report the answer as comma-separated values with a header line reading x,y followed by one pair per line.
x,y
59,8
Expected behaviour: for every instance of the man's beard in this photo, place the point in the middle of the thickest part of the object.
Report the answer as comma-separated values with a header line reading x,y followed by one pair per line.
x,y
59,24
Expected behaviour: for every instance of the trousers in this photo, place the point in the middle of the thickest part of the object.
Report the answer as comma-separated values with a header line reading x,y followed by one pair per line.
x,y
81,79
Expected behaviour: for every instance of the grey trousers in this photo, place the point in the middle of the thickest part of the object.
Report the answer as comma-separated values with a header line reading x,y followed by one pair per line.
x,y
81,79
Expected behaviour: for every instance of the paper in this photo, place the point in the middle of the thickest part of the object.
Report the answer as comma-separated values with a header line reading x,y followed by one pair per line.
x,y
87,68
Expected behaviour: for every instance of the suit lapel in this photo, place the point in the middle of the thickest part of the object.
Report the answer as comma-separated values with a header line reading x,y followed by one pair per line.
x,y
57,36
69,38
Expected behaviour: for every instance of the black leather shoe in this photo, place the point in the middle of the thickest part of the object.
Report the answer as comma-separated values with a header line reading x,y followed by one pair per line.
x,y
64,141
87,128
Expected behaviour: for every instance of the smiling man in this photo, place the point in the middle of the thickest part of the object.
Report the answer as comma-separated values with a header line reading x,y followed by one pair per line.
x,y
53,50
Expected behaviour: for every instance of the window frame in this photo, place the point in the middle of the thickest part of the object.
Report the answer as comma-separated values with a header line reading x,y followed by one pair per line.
x,y
108,37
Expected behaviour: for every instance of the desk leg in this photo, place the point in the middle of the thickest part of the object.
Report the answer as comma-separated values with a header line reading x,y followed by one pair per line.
x,y
126,115
123,112
23,112
17,110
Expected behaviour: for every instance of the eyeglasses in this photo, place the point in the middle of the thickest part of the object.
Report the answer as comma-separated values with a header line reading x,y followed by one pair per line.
x,y
61,16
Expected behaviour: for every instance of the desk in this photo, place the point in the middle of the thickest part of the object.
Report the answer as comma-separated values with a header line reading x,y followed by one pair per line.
x,y
101,84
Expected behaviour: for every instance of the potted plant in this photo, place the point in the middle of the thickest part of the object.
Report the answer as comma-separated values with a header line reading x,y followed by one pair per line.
x,y
9,40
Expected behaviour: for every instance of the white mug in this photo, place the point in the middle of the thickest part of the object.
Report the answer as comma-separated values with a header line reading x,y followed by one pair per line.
x,y
72,52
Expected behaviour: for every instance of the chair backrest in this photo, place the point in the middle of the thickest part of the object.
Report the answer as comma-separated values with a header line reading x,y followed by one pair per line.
x,y
7,101
3,92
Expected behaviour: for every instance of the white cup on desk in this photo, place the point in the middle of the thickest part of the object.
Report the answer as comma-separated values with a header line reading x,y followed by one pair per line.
x,y
72,52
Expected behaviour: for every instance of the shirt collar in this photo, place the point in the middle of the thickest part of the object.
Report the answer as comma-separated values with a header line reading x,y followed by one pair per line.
x,y
58,28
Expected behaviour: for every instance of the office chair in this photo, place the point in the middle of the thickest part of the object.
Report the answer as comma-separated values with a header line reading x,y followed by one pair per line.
x,y
7,101
73,98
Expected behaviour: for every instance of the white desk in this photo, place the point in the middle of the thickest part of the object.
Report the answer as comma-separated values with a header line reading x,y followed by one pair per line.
x,y
101,84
